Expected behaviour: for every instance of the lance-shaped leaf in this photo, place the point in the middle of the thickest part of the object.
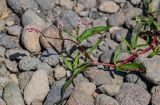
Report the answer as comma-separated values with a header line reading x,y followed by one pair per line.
x,y
135,35
131,67
91,31
76,60
155,52
116,53
78,70
67,63
125,42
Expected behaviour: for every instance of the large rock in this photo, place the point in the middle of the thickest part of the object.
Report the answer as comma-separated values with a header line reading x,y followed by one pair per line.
x,y
109,7
132,94
79,97
155,95
2,102
56,93
88,3
19,6
31,18
30,39
12,94
37,88
103,99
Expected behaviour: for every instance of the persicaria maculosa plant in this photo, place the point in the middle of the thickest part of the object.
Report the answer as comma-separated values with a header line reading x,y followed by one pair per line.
x,y
147,27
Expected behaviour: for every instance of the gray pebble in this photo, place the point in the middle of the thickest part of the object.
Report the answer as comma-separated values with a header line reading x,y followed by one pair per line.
x,y
12,94
14,30
135,2
2,51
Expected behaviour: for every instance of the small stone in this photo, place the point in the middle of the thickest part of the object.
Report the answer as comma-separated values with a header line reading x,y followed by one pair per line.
x,y
132,12
129,23
2,51
37,88
4,80
123,56
109,7
30,39
155,92
78,7
78,97
31,18
19,6
69,19
23,79
14,30
116,35
117,19
135,2
120,1
103,99
56,93
106,56
2,26
7,41
80,79
3,71
35,102
28,63
110,90
50,57
44,66
59,73
66,3
133,78
100,22
11,65
2,102
132,94
88,3
13,78
16,54
87,87
98,77
12,94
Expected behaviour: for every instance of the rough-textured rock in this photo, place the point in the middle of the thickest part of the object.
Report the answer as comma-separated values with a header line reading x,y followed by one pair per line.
x,y
87,87
59,73
31,18
69,19
23,79
78,7
88,3
135,2
155,92
133,78
36,103
11,65
16,54
14,30
66,3
103,99
28,63
100,22
79,97
106,56
132,12
37,88
19,6
109,7
30,39
4,80
80,79
2,102
116,35
132,94
12,94
110,90
50,57
120,1
3,70
2,51
56,93
117,19
7,41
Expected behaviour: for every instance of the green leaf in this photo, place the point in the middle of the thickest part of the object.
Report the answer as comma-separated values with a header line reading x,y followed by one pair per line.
x,y
75,62
77,71
67,63
91,31
116,53
131,67
125,42
155,52
90,50
135,35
